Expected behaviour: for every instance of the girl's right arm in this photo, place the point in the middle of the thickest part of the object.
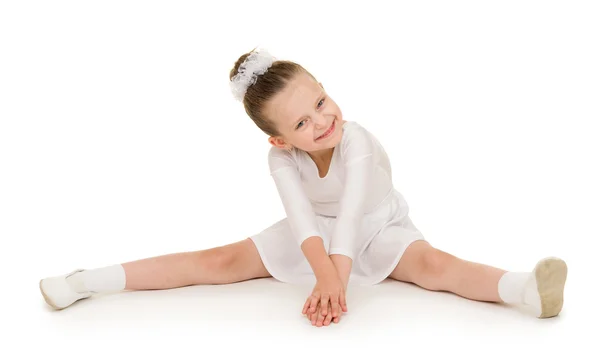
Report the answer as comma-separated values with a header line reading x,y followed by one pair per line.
x,y
329,288
317,257
300,215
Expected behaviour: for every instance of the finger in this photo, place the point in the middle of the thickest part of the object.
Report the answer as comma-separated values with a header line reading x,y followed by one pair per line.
x,y
324,303
313,303
343,302
335,304
308,314
329,320
313,318
339,315
321,316
328,317
306,305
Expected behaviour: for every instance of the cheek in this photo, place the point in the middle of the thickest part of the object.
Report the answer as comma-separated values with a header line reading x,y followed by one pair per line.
x,y
337,111
305,138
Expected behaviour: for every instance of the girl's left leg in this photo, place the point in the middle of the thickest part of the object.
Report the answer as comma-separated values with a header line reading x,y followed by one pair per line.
x,y
437,270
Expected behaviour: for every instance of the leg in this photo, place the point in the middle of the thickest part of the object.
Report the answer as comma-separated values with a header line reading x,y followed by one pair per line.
x,y
437,270
542,289
231,263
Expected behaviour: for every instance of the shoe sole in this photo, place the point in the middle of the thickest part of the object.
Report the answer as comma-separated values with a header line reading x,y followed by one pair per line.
x,y
551,276
47,299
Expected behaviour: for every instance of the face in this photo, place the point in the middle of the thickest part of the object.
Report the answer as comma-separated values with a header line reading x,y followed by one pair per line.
x,y
303,113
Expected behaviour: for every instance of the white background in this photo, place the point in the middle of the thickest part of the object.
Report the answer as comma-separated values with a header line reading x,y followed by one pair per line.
x,y
120,140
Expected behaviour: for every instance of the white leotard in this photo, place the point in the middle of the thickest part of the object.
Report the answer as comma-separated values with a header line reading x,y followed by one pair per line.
x,y
359,179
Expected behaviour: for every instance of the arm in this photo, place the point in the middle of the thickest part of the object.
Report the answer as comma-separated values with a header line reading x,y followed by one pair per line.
x,y
298,208
317,257
343,266
357,152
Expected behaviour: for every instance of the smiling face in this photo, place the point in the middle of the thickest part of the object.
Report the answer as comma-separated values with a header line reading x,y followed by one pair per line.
x,y
303,113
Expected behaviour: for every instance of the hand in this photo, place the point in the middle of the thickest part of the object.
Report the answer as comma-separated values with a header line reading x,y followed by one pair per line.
x,y
317,318
328,297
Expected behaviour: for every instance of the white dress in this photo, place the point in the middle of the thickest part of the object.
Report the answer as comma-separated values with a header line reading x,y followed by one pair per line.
x,y
355,209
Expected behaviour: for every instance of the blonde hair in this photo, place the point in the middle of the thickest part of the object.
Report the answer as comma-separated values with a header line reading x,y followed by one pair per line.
x,y
267,85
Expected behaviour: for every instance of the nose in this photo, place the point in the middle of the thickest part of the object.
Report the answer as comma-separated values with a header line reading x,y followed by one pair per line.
x,y
320,121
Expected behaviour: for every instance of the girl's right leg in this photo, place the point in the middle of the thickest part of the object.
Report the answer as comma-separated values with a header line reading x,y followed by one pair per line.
x,y
230,263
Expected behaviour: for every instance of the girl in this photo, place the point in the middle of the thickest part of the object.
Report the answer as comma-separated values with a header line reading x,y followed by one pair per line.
x,y
346,223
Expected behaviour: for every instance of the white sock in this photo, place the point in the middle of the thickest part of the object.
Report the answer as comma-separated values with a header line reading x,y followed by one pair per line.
x,y
105,279
520,288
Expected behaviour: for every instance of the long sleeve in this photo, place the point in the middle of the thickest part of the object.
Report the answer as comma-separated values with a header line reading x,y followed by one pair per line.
x,y
359,165
300,214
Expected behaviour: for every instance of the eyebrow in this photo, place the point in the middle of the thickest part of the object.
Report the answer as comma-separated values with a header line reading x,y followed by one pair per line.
x,y
316,102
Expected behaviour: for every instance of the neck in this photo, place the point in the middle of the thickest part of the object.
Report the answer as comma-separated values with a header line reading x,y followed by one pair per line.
x,y
322,156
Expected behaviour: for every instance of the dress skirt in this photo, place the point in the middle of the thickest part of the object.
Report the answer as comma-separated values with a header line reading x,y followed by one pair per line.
x,y
384,235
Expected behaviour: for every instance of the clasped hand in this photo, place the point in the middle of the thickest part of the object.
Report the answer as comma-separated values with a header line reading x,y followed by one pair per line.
x,y
327,301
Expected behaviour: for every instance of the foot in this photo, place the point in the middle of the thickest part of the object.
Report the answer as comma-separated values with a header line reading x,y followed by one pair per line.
x,y
58,293
550,277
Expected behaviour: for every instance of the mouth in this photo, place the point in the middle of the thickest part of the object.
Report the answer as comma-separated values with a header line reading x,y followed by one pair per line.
x,y
328,132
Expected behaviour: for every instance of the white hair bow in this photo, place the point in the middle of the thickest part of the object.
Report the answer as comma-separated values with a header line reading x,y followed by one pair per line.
x,y
255,64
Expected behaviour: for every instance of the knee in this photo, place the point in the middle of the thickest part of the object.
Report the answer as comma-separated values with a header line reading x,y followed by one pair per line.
x,y
435,261
434,267
217,259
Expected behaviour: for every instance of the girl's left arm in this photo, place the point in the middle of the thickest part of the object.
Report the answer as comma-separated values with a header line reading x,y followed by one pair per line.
x,y
358,154
343,266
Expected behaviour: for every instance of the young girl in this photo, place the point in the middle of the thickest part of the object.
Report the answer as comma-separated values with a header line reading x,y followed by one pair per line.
x,y
346,223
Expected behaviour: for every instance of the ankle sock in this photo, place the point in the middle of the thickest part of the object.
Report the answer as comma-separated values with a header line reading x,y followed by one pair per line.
x,y
520,288
104,279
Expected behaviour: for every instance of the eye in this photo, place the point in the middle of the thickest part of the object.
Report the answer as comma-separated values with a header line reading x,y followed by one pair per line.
x,y
318,105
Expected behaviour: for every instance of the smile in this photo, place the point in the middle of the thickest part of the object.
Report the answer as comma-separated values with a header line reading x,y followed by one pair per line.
x,y
328,132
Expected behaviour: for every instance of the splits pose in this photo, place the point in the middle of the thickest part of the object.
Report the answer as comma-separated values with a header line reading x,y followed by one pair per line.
x,y
346,223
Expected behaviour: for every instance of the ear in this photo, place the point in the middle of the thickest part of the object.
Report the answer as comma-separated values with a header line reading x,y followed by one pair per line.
x,y
279,143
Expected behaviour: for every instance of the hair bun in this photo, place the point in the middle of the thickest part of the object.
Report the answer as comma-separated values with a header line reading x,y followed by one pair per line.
x,y
255,64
